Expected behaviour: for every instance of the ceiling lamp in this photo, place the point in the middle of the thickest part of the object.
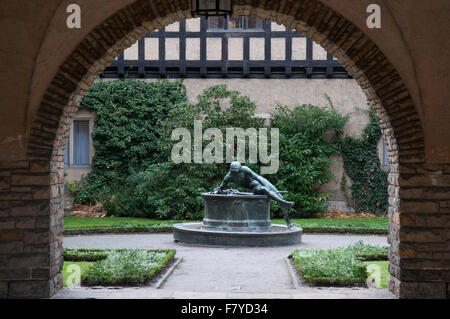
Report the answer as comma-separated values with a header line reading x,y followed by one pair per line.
x,y
209,8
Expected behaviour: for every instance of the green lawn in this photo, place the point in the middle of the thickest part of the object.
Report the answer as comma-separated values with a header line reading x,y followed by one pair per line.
x,y
86,225
380,272
80,225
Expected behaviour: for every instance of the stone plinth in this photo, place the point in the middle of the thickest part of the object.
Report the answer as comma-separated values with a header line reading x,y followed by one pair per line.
x,y
236,212
236,220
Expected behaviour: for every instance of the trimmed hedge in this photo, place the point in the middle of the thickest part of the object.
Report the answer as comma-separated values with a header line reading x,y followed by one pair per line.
x,y
326,282
83,254
343,230
79,226
168,229
337,267
117,230
121,267
86,225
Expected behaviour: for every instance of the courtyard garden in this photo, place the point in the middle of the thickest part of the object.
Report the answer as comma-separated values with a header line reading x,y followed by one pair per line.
x,y
357,264
138,187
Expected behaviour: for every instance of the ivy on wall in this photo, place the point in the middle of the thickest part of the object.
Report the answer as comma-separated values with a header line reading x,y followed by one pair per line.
x,y
128,119
362,165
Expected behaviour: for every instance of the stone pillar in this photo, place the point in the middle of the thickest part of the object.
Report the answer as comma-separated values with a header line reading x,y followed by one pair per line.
x,y
31,228
419,231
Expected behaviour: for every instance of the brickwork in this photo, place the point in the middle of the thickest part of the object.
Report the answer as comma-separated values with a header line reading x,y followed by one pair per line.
x,y
419,194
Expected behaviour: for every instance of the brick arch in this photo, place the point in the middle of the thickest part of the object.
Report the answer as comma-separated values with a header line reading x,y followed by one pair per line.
x,y
359,55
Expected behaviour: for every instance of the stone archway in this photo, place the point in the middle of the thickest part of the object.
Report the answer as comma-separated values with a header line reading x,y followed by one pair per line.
x,y
36,185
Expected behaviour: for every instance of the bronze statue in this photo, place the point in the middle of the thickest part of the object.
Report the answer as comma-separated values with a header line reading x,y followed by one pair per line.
x,y
243,176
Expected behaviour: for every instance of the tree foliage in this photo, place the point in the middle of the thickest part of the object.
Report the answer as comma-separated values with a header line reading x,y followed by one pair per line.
x,y
309,135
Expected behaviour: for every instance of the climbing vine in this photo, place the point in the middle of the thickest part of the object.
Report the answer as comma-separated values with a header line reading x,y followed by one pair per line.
x,y
362,165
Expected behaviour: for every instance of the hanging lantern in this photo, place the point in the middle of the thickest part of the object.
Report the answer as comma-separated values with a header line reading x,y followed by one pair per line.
x,y
209,8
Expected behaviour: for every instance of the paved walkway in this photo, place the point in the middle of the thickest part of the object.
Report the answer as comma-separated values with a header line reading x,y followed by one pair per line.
x,y
223,272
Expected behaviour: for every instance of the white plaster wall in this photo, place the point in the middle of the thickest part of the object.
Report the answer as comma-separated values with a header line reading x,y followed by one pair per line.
x,y
346,95
214,49
151,48
172,49
193,49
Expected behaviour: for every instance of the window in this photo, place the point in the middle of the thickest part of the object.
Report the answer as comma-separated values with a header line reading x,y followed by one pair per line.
x,y
79,150
235,24
81,143
385,156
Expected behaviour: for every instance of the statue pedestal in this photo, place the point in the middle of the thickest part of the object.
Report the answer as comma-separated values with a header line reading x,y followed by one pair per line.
x,y
245,213
236,220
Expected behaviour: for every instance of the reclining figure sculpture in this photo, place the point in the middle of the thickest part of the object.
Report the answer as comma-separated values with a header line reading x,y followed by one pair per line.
x,y
243,176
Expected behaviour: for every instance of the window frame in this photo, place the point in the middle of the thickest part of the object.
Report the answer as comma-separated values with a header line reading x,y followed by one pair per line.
x,y
385,161
83,117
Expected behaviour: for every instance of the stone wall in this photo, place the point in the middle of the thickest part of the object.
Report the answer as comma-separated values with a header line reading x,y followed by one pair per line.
x,y
419,230
31,229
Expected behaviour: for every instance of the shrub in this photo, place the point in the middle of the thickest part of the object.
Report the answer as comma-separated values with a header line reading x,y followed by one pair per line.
x,y
309,135
128,119
337,267
127,267
84,254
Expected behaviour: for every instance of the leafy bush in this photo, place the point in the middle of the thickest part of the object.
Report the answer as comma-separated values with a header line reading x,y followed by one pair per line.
x,y
362,165
309,135
336,267
128,119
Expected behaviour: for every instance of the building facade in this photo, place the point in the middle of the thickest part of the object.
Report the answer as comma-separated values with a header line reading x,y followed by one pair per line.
x,y
266,61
